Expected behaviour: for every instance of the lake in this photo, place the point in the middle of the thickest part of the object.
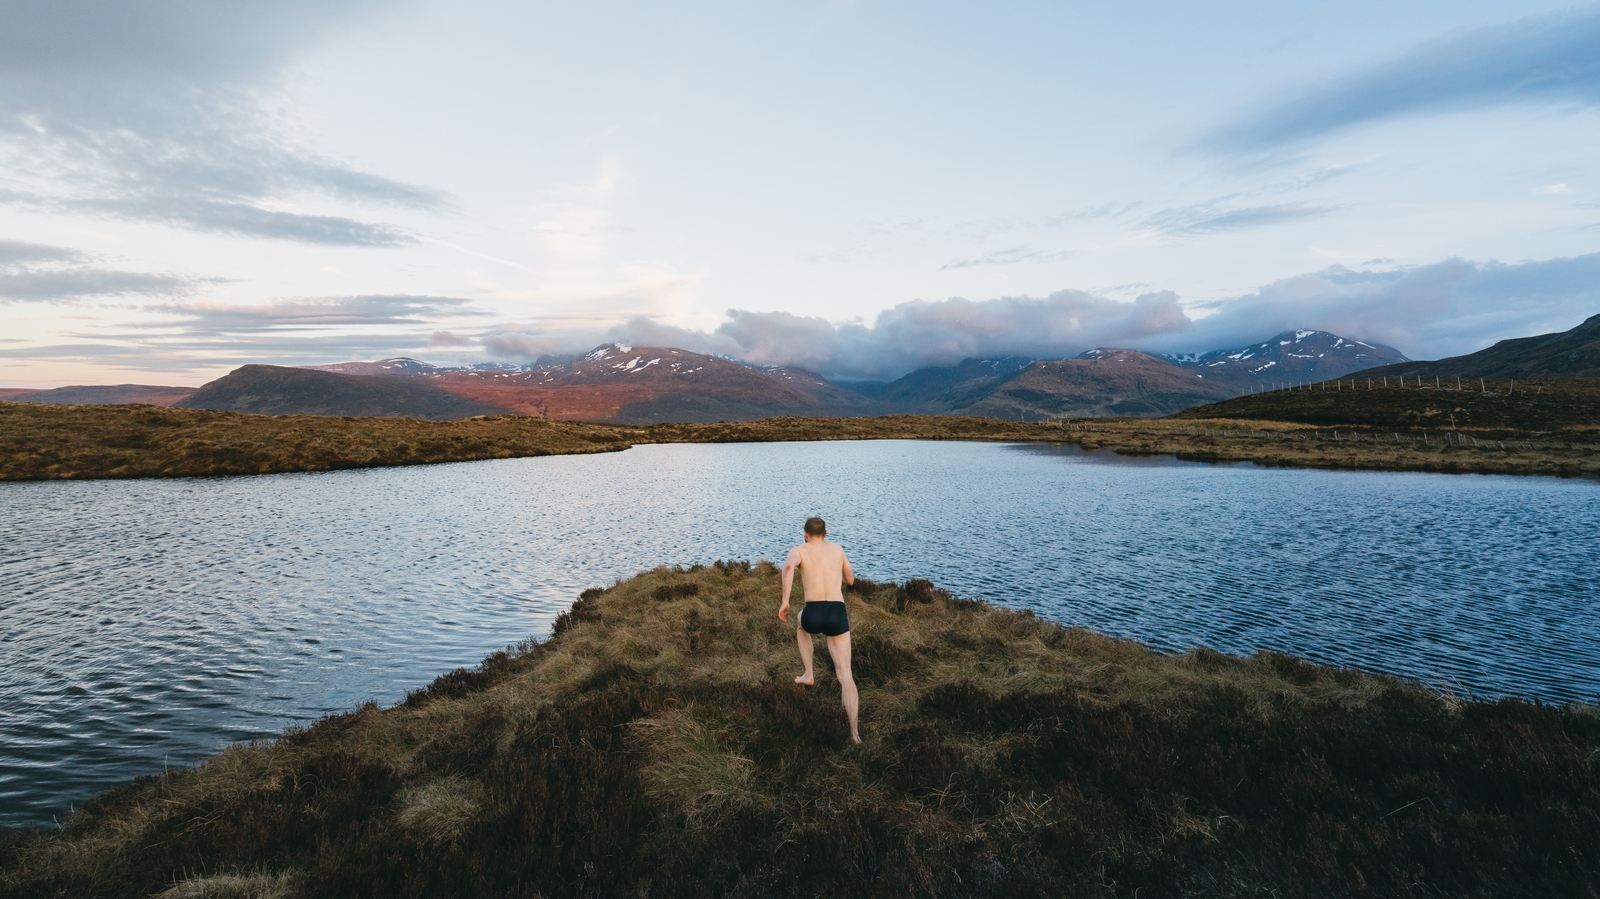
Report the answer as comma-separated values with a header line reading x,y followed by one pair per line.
x,y
150,623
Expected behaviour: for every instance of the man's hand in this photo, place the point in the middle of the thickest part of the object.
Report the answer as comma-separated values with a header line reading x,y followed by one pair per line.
x,y
783,613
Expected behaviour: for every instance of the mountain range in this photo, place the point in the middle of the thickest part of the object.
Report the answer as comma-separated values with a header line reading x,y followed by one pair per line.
x,y
641,385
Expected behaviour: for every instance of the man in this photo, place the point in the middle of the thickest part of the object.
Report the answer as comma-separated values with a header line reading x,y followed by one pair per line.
x,y
822,567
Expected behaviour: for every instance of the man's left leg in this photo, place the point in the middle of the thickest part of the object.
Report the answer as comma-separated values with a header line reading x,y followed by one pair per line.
x,y
806,678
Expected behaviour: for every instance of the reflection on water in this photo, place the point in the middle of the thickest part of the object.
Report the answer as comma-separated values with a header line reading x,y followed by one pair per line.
x,y
151,622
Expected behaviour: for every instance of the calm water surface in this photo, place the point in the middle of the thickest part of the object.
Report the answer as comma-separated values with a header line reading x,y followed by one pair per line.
x,y
145,623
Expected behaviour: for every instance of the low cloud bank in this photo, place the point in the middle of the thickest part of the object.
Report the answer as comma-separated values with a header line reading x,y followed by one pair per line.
x,y
1443,309
1427,312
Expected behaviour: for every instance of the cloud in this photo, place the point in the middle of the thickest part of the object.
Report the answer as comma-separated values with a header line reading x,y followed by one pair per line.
x,y
1546,59
192,336
1445,308
160,112
908,336
244,219
14,252
160,38
448,339
78,283
188,353
309,313
1210,218
1089,214
1010,257
31,272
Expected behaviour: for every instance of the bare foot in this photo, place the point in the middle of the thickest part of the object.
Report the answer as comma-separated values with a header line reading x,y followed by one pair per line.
x,y
855,738
805,680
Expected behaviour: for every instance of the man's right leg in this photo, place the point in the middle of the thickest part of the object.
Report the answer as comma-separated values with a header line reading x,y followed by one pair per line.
x,y
839,648
806,678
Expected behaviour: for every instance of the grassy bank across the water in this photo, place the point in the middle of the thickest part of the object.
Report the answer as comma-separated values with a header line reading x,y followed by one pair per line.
x,y
44,442
656,747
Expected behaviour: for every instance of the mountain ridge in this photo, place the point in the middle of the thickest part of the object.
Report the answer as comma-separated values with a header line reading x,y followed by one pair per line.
x,y
1574,353
628,384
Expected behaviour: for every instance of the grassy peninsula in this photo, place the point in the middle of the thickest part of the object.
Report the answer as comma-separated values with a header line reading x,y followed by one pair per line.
x,y
1444,433
654,746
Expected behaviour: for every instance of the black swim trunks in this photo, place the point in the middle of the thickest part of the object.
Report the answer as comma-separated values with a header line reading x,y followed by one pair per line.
x,y
827,618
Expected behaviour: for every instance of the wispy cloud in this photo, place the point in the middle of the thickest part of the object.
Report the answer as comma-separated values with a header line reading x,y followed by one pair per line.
x,y
21,252
1211,218
1545,59
312,313
1089,214
1012,256
189,336
31,272
159,112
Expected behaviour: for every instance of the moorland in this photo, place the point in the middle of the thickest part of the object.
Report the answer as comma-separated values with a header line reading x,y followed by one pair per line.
x,y
656,746
1547,427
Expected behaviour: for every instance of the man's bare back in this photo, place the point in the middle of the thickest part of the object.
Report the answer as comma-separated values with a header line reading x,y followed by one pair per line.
x,y
823,570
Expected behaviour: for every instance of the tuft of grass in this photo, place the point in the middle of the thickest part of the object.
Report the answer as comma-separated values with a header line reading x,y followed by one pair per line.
x,y
656,746
231,886
437,811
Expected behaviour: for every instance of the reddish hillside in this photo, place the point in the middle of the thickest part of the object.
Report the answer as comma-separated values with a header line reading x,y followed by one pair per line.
x,y
641,385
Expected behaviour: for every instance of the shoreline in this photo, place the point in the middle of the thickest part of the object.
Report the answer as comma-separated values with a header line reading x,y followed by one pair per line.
x,y
654,744
43,442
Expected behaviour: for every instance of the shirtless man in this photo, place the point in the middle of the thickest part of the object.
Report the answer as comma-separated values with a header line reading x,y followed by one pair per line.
x,y
822,566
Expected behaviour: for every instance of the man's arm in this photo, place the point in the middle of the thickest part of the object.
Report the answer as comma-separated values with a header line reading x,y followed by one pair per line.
x,y
788,584
849,575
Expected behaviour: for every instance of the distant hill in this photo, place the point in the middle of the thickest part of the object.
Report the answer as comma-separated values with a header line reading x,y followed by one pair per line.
x,y
1099,384
274,390
645,385
1565,406
1293,356
1107,382
102,395
940,389
1565,354
1549,383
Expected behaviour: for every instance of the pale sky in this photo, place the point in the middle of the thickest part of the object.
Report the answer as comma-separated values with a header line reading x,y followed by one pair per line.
x,y
856,187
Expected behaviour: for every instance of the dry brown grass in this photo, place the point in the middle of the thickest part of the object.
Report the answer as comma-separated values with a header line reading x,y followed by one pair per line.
x,y
39,442
1480,451
43,442
655,746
